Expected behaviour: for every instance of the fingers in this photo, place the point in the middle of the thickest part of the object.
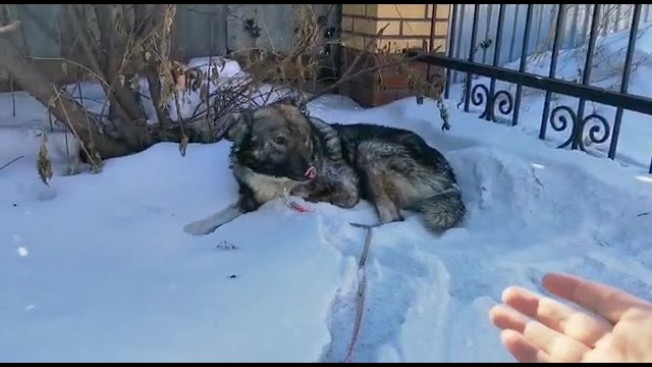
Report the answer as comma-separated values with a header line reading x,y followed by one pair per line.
x,y
507,319
606,301
522,349
585,328
559,332
551,343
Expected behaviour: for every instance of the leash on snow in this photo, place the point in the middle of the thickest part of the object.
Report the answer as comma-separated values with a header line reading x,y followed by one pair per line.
x,y
362,287
362,279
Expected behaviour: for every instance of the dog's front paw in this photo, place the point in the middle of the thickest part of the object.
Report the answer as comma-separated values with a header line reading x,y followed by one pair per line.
x,y
389,215
248,204
313,199
345,200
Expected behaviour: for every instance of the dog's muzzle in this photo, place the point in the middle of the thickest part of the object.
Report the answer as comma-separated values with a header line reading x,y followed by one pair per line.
x,y
311,173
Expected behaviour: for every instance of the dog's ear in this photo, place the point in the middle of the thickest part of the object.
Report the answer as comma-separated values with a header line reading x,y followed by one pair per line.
x,y
322,126
296,100
236,126
292,99
333,146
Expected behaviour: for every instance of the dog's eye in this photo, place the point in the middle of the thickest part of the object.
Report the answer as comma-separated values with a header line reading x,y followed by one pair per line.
x,y
280,140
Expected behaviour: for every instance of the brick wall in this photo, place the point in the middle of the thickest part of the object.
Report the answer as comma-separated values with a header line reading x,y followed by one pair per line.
x,y
408,26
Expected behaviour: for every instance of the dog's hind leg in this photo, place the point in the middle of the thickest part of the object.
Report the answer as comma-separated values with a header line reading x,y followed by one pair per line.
x,y
442,211
386,209
209,224
374,183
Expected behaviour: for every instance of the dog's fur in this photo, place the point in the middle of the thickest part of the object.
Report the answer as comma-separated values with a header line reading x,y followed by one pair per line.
x,y
399,170
392,168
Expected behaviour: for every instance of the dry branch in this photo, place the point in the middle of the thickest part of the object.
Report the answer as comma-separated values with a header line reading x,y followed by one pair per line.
x,y
10,162
13,26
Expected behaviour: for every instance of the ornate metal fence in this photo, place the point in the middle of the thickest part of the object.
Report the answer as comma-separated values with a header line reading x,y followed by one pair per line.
x,y
582,126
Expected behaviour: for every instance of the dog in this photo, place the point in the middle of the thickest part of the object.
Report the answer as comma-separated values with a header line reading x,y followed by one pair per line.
x,y
279,151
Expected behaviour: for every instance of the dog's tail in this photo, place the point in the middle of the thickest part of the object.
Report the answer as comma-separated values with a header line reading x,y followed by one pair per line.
x,y
443,211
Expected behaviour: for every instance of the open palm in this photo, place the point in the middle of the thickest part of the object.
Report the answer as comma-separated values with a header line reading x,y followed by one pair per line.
x,y
614,327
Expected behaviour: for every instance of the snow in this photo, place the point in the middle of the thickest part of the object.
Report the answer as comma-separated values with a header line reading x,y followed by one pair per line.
x,y
96,267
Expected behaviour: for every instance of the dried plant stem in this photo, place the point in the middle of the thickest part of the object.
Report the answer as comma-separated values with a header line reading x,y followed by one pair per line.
x,y
10,162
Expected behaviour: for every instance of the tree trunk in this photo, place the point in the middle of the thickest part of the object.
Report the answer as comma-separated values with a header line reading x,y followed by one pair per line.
x,y
45,91
129,132
155,93
122,97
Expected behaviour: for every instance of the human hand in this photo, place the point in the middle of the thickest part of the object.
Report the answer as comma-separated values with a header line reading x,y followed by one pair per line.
x,y
614,326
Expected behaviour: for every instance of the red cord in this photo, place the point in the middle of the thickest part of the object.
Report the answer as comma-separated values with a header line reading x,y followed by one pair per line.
x,y
299,208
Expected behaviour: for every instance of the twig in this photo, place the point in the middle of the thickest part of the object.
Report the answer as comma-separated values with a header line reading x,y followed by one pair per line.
x,y
208,78
50,120
13,26
184,138
86,46
91,158
91,72
10,28
10,162
13,96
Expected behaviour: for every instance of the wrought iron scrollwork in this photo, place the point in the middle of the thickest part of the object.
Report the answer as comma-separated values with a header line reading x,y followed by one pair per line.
x,y
598,133
480,93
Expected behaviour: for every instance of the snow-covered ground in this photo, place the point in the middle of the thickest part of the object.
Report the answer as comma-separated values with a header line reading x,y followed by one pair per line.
x,y
96,267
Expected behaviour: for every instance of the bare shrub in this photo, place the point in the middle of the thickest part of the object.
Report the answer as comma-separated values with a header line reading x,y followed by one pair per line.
x,y
121,46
